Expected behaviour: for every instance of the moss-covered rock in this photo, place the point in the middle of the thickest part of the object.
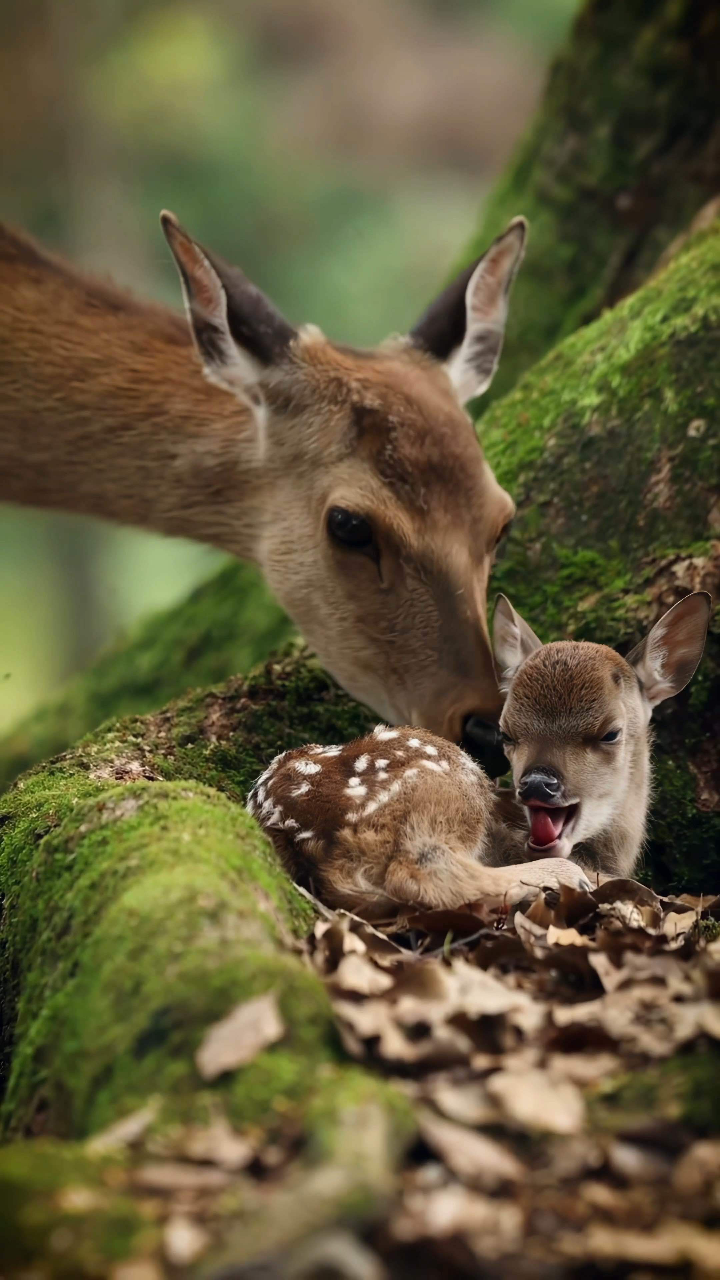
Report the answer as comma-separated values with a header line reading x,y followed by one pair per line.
x,y
223,628
611,446
620,156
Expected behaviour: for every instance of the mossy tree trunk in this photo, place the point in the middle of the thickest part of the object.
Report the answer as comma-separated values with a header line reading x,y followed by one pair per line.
x,y
623,152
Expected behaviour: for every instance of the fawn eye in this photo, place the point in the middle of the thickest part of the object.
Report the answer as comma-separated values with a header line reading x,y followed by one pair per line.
x,y
506,740
612,735
349,529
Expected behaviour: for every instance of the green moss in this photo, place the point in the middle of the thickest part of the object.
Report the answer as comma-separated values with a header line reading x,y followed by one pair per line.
x,y
617,161
141,916
222,629
611,448
56,1206
341,1093
683,1089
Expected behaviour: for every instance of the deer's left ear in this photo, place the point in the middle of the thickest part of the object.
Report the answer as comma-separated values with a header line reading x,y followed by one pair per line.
x,y
237,330
513,641
465,326
665,661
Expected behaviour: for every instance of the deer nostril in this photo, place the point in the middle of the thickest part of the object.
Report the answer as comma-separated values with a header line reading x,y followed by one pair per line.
x,y
482,741
540,784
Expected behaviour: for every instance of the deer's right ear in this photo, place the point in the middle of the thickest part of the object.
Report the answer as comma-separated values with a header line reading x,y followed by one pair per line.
x,y
465,326
237,330
513,641
665,661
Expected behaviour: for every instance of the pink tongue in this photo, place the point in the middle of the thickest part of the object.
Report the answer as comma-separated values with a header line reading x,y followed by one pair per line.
x,y
544,827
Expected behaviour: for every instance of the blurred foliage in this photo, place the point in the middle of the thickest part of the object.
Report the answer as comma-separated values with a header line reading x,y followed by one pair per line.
x,y
339,153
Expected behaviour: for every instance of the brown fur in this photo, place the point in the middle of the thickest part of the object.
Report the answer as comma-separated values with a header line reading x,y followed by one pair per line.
x,y
103,411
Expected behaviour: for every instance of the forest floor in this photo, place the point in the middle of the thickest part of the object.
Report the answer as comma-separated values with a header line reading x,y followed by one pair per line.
x,y
558,1063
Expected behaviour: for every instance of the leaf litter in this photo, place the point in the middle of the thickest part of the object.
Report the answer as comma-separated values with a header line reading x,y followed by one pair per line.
x,y
549,1054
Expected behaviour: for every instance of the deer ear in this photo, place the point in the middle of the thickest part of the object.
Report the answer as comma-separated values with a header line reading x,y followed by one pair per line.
x,y
513,641
236,329
666,660
465,326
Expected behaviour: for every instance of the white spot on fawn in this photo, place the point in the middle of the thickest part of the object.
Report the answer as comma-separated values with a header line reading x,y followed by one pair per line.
x,y
430,750
362,763
306,766
354,782
290,824
275,819
305,835
301,790
383,764
445,766
414,742
356,790
400,754
382,775
381,798
431,764
384,735
412,773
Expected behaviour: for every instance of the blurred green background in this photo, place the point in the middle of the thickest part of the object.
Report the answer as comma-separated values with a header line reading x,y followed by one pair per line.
x,y
339,150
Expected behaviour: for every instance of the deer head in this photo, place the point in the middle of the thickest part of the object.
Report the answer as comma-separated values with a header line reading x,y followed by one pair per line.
x,y
576,729
376,514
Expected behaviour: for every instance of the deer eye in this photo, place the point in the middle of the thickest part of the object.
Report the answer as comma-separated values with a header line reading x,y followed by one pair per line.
x,y
501,543
350,529
506,740
612,735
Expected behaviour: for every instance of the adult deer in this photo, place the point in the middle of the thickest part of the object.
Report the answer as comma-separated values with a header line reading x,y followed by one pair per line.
x,y
354,479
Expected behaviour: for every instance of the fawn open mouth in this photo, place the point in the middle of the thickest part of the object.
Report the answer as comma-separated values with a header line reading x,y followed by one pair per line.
x,y
548,823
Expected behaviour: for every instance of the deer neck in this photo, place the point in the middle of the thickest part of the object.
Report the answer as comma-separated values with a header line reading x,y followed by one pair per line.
x,y
103,411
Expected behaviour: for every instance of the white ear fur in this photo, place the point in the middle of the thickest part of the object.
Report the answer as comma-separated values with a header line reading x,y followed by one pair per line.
x,y
513,641
666,660
472,365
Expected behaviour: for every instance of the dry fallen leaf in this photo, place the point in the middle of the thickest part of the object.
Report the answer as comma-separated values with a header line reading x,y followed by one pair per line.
x,y
125,1132
219,1144
452,1210
474,1158
184,1241
237,1039
171,1175
534,1100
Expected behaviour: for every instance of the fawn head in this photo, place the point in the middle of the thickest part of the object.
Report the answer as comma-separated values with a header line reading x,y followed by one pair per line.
x,y
576,727
378,516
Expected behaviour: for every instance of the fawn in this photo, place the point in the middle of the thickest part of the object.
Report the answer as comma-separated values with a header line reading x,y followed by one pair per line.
x,y
353,478
404,817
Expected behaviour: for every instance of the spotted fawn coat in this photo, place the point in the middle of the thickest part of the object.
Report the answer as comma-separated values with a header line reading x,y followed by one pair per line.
x,y
399,817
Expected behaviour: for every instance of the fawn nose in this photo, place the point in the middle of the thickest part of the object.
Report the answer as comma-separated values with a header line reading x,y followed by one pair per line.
x,y
482,741
541,785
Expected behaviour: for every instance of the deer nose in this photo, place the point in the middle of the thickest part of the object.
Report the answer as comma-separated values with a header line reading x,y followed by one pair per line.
x,y
540,784
482,741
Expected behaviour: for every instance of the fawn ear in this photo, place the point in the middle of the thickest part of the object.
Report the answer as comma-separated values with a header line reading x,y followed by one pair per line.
x,y
513,641
465,326
665,661
237,331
